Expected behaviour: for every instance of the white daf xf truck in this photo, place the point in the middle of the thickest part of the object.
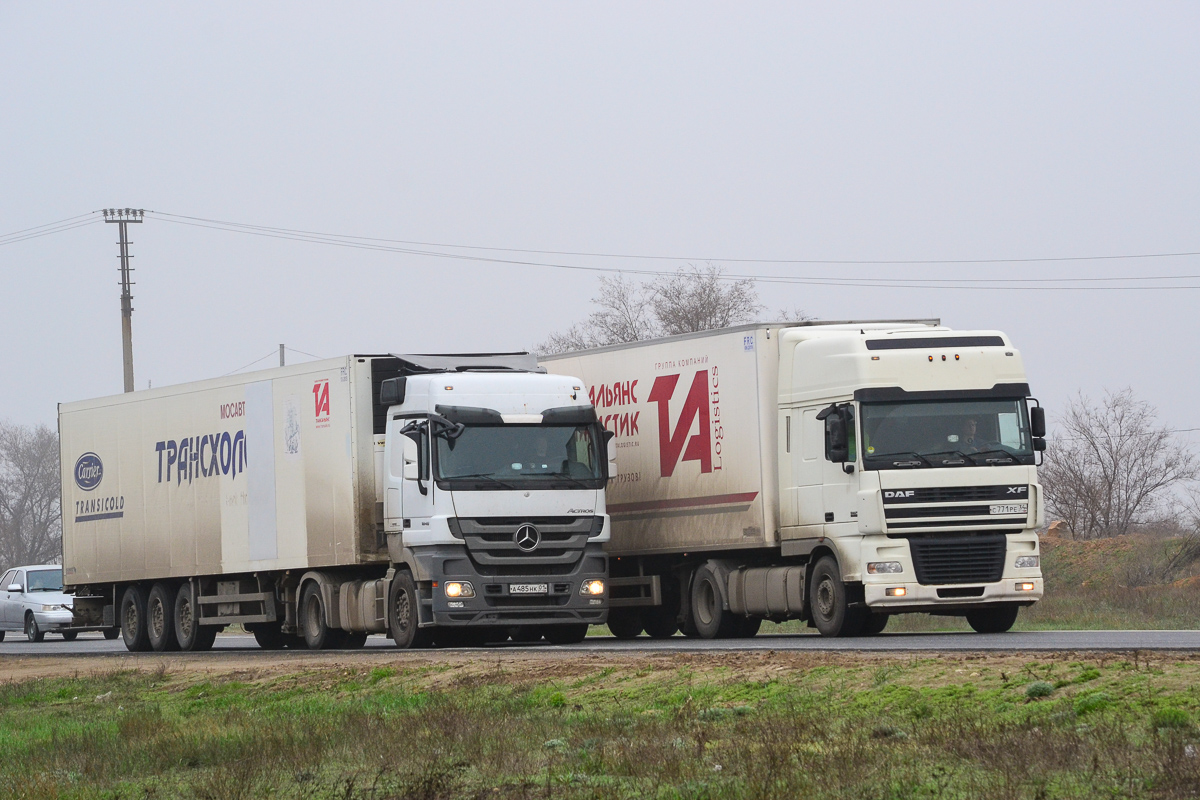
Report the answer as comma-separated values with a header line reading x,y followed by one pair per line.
x,y
837,473
439,499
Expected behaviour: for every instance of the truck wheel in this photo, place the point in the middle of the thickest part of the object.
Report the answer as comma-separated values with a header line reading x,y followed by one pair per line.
x,y
133,620
70,636
267,634
566,634
875,623
993,620
353,641
747,627
191,635
625,623
317,633
830,611
32,632
662,622
160,618
111,633
1,636
525,634
403,603
711,620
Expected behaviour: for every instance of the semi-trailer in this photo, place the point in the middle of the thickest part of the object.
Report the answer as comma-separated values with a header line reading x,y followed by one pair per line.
x,y
441,499
838,473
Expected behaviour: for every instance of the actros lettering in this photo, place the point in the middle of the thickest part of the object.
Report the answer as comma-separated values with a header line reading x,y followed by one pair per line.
x,y
205,456
672,442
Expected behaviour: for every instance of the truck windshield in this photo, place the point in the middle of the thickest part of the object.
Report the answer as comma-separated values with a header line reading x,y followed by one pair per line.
x,y
941,433
45,580
521,456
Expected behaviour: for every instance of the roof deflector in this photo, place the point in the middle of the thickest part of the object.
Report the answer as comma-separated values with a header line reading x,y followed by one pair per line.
x,y
465,362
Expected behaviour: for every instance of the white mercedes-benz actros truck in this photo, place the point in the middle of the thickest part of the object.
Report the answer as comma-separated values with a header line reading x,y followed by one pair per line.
x,y
837,473
441,499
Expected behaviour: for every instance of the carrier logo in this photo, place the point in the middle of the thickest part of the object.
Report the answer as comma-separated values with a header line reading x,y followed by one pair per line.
x,y
89,471
671,443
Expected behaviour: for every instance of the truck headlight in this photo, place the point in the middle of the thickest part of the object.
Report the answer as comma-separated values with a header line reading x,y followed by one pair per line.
x,y
1026,562
884,567
459,589
592,587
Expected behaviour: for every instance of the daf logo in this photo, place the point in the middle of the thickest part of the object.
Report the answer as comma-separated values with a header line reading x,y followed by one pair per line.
x,y
1018,489
527,537
909,493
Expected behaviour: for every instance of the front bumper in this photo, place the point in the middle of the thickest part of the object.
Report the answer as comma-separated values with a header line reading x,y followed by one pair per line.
x,y
54,621
929,598
494,604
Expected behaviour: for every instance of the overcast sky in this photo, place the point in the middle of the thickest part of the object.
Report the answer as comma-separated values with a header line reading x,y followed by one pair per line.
x,y
740,131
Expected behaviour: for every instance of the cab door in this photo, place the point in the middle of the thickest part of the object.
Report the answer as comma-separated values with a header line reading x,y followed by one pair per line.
x,y
839,489
408,490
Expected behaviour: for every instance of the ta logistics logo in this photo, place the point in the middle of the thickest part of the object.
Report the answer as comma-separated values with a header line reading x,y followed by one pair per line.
x,y
89,472
321,402
701,411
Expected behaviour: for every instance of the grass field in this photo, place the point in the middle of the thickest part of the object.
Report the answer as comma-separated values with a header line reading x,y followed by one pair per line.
x,y
758,725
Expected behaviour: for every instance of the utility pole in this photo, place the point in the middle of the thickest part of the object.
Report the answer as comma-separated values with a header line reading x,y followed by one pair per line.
x,y
123,216
281,355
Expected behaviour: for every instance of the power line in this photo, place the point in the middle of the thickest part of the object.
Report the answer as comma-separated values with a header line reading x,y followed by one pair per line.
x,y
301,352
251,364
45,230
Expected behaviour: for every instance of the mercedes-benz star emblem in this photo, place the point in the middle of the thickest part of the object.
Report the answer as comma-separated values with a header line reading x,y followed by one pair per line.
x,y
527,537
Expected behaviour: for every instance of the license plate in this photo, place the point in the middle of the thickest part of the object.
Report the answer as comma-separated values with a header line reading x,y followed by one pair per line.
x,y
529,588
1016,508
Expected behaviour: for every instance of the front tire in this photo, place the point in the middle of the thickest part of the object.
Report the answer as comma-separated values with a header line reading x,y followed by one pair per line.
x,y
134,630
403,614
625,623
566,634
874,624
32,632
712,621
998,619
828,604
70,636
111,633
160,619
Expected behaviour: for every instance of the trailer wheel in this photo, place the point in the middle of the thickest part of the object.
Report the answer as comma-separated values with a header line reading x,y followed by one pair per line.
x,y
160,618
875,623
70,636
566,634
711,620
111,633
191,635
403,603
625,623
831,613
998,619
133,620
32,632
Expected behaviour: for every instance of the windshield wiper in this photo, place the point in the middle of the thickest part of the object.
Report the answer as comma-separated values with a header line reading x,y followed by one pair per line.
x,y
1010,457
485,475
903,454
965,458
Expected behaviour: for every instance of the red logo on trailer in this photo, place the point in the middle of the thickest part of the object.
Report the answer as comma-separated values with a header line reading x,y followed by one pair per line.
x,y
321,399
671,442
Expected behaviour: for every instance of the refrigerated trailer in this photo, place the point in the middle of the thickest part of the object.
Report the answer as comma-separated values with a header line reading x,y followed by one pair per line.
x,y
837,473
439,499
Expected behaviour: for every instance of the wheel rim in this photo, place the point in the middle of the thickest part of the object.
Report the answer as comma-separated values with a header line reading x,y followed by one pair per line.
x,y
157,620
825,597
131,618
184,623
31,627
403,611
312,617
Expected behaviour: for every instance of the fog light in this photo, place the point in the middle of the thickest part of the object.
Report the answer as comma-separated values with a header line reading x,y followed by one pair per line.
x,y
592,587
884,567
898,591
1026,586
1026,562
459,589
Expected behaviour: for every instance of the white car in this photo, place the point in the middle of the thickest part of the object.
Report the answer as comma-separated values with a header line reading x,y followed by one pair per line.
x,y
32,600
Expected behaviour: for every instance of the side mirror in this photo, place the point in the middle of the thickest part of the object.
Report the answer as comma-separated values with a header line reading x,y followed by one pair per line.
x,y
836,447
391,391
1039,444
610,445
16,587
411,467
1037,422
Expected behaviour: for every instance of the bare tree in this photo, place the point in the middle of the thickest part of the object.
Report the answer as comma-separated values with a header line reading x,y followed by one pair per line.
x,y
691,299
1113,466
30,511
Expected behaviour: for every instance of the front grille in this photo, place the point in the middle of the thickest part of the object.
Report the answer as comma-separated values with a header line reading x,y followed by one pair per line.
x,y
493,550
957,494
965,559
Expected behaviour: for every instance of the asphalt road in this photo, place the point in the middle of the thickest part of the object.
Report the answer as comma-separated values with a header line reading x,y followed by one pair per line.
x,y
1038,641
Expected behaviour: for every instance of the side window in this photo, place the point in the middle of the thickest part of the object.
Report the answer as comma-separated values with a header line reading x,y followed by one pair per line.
x,y
421,437
19,577
851,432
7,580
1010,431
